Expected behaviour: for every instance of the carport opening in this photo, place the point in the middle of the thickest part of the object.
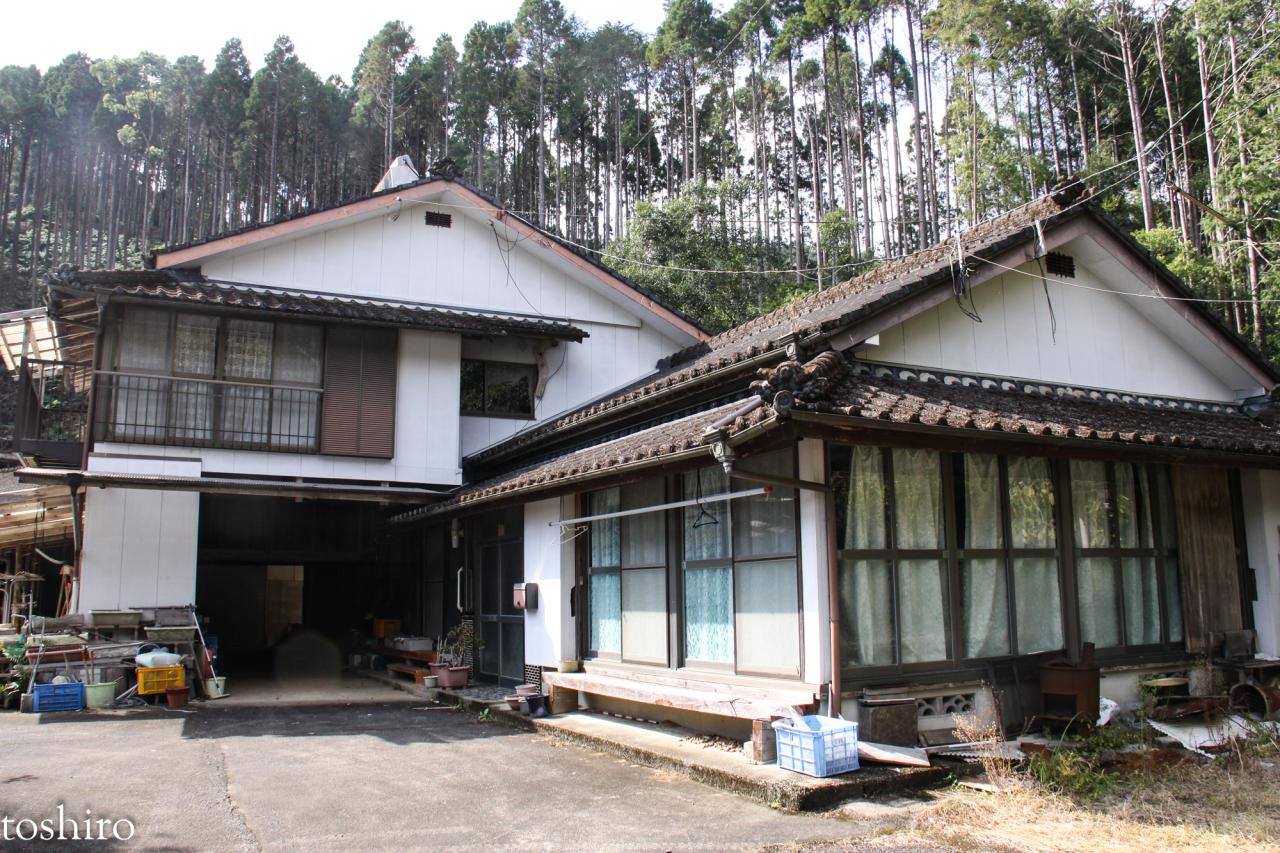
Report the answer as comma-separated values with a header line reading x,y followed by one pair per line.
x,y
290,588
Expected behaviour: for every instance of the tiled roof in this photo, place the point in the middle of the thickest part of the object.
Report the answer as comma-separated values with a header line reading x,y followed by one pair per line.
x,y
930,398
765,338
177,286
651,446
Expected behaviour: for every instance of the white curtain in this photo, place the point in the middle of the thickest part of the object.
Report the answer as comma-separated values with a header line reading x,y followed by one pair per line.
x,y
195,353
141,404
917,496
1038,604
606,533
922,592
1031,503
297,357
708,614
983,585
606,612
706,525
866,586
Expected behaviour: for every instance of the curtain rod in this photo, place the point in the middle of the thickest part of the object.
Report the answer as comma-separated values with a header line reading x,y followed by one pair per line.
x,y
727,496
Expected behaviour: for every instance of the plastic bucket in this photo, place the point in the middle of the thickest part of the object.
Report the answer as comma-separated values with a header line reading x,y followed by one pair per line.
x,y
215,688
100,695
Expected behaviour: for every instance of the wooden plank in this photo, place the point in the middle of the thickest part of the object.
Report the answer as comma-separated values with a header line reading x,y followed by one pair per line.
x,y
1206,553
883,753
663,696
784,695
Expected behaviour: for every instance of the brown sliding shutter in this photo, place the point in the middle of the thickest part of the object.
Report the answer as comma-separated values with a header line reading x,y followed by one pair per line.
x,y
1206,553
359,392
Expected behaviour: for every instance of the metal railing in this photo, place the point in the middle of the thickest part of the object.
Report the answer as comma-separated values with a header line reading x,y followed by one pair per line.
x,y
53,401
191,412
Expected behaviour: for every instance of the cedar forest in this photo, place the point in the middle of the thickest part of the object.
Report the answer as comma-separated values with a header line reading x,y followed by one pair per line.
x,y
729,162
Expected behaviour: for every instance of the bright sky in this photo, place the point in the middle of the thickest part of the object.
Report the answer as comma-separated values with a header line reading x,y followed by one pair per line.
x,y
41,34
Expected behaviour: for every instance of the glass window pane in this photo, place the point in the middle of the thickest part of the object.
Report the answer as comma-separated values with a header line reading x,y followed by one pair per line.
x,y
644,536
1037,604
1031,503
767,618
765,525
191,410
1164,501
866,612
917,495
708,614
512,573
295,418
195,345
1133,506
513,650
862,501
248,350
297,353
1099,601
922,610
706,526
1089,503
508,388
1173,599
144,340
606,613
472,387
245,411
644,615
1141,601
979,513
605,534
986,608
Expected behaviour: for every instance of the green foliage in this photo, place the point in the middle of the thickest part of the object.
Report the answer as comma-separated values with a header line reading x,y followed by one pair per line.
x,y
690,252
1069,772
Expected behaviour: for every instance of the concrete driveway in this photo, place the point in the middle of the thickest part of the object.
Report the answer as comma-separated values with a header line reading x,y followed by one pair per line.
x,y
359,766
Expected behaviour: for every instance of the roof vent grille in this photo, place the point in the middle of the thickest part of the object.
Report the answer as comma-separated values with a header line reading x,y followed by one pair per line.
x,y
439,220
1060,264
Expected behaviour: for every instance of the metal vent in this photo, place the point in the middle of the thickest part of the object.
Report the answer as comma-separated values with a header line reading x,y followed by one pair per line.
x,y
439,220
1060,264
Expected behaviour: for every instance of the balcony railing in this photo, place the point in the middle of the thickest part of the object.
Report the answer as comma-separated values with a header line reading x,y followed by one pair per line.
x,y
52,409
190,412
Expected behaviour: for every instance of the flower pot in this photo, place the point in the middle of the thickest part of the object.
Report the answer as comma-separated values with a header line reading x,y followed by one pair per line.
x,y
452,676
176,697
526,689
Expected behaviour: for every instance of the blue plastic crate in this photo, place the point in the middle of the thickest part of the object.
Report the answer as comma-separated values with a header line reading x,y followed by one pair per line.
x,y
58,697
817,746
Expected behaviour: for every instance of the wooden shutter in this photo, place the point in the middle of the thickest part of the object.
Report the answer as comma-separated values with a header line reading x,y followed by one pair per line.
x,y
359,392
1206,553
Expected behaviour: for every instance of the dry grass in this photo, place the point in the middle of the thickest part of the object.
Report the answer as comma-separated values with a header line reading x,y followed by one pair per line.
x,y
1230,804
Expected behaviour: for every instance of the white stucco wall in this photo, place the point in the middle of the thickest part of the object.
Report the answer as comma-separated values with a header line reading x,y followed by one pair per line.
x,y
139,545
1101,340
1260,493
549,635
427,436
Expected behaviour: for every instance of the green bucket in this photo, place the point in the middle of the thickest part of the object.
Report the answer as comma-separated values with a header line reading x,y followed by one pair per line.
x,y
100,695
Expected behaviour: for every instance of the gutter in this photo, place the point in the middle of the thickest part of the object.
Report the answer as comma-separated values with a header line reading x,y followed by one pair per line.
x,y
232,486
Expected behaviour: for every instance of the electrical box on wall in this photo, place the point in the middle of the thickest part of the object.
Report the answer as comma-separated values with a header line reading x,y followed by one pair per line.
x,y
525,596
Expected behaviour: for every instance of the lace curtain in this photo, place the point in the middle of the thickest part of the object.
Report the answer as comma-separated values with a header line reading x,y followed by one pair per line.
x,y
141,404
983,584
1037,593
297,356
922,592
866,594
1096,586
708,592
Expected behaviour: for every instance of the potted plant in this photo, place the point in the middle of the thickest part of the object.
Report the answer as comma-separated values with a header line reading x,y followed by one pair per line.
x,y
449,668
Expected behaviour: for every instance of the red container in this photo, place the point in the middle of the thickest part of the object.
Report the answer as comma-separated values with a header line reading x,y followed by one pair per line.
x,y
176,697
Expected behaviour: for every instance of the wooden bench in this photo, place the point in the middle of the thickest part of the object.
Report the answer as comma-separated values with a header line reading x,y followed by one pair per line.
x,y
408,669
678,691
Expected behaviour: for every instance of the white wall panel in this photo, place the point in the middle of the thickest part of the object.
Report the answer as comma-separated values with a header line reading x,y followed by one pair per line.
x,y
545,629
1099,340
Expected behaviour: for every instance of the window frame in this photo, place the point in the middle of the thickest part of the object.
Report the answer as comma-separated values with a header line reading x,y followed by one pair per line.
x,y
1065,552
674,565
484,412
217,382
